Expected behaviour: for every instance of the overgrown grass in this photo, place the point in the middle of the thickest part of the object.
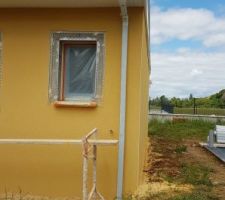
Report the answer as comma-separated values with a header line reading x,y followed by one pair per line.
x,y
195,174
187,129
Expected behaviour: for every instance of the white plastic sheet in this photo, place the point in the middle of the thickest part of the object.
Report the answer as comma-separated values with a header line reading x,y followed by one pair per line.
x,y
80,72
85,79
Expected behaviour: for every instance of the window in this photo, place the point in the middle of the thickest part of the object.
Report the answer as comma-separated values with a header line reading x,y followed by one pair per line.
x,y
76,68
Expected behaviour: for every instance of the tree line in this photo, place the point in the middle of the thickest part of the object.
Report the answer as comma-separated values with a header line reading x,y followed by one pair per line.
x,y
216,100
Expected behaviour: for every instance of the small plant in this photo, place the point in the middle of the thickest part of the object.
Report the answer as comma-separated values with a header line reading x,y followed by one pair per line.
x,y
181,149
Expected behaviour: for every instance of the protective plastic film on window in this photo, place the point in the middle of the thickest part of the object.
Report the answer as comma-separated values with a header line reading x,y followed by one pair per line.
x,y
80,72
76,71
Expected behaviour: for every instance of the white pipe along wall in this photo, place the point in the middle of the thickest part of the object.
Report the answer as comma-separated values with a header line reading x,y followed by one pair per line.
x,y
123,91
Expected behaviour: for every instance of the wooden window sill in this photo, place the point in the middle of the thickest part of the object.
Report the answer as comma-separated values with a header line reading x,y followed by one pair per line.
x,y
91,104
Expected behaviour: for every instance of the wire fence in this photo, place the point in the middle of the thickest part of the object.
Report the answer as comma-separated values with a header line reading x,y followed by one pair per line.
x,y
193,110
199,111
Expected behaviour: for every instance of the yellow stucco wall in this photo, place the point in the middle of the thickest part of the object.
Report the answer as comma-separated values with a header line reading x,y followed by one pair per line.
x,y
26,113
144,95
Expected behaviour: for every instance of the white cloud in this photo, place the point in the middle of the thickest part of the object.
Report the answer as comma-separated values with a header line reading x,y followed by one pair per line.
x,y
215,40
195,72
179,74
183,50
185,24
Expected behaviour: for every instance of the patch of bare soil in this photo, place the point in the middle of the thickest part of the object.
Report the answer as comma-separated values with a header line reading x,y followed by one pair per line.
x,y
164,161
160,190
162,158
197,154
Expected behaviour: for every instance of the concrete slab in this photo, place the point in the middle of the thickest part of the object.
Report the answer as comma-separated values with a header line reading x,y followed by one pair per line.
x,y
219,152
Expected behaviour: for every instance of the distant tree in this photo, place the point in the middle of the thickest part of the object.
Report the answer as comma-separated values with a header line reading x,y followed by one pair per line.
x,y
173,101
216,100
190,97
164,100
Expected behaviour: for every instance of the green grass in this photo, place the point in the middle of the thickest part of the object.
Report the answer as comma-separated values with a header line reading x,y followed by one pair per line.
x,y
188,129
195,174
155,107
181,149
190,173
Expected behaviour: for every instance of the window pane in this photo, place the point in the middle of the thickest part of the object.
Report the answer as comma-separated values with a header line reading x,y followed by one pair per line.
x,y
80,67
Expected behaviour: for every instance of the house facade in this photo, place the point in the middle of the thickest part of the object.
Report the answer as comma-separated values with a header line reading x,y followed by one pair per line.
x,y
65,67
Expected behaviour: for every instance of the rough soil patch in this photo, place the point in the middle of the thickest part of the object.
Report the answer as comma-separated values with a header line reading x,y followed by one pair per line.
x,y
157,190
165,165
196,153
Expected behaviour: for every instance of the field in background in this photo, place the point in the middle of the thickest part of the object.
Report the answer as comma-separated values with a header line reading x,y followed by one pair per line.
x,y
199,111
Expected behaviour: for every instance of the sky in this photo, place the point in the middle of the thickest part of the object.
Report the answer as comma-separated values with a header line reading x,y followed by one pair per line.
x,y
187,47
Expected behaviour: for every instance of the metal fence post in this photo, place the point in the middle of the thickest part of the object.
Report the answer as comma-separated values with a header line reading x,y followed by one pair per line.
x,y
211,138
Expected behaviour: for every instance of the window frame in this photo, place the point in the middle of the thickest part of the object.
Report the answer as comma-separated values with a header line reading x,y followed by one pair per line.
x,y
55,87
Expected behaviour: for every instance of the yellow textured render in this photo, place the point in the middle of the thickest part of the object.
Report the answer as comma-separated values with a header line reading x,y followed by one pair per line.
x,y
25,111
